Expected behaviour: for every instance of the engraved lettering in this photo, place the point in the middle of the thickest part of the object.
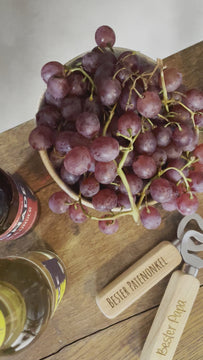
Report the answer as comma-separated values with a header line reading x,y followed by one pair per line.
x,y
111,303
162,351
164,261
157,265
146,274
136,282
153,268
124,292
169,334
118,296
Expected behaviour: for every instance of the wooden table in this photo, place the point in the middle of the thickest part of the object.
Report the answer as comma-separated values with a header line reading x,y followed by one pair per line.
x,y
78,329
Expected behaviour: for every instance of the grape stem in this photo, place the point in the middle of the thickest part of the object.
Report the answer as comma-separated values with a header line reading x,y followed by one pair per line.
x,y
169,122
110,217
117,72
165,97
180,171
86,76
121,174
134,211
111,114
192,113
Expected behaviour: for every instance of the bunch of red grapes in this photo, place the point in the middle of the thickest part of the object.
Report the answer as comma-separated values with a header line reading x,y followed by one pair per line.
x,y
123,132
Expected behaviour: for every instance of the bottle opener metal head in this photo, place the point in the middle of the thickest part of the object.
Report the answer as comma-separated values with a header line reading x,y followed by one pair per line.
x,y
191,240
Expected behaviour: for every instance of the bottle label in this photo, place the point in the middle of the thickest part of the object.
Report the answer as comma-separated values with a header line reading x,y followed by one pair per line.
x,y
2,328
57,273
26,214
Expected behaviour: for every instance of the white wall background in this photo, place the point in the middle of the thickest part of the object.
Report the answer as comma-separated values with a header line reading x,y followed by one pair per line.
x,y
33,32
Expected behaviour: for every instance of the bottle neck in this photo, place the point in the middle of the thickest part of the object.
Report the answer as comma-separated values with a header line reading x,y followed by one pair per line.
x,y
12,314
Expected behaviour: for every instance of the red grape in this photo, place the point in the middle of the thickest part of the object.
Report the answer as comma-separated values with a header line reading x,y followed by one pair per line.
x,y
91,61
104,200
104,149
161,190
198,152
193,141
109,91
159,156
194,99
104,71
149,105
108,227
67,177
49,115
181,137
187,203
66,140
71,107
88,124
170,205
123,200
59,202
78,160
56,159
135,184
197,167
163,135
50,100
129,124
173,151
50,69
146,143
150,217
93,106
63,141
58,86
77,84
105,172
173,79
197,181
105,36
76,214
144,167
174,175
89,186
41,138
199,118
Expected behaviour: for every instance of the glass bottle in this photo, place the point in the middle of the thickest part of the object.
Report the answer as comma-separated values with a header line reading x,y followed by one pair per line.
x,y
18,207
31,288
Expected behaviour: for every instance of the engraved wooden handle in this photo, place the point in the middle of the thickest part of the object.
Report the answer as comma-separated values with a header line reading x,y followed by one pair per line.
x,y
171,317
138,279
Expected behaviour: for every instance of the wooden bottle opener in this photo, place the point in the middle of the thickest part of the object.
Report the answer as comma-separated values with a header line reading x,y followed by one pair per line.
x,y
143,275
176,303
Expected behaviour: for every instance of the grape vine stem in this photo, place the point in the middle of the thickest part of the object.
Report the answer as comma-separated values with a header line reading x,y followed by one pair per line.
x,y
69,71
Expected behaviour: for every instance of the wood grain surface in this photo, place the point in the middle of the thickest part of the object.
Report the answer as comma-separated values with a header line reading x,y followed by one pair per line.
x,y
78,329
